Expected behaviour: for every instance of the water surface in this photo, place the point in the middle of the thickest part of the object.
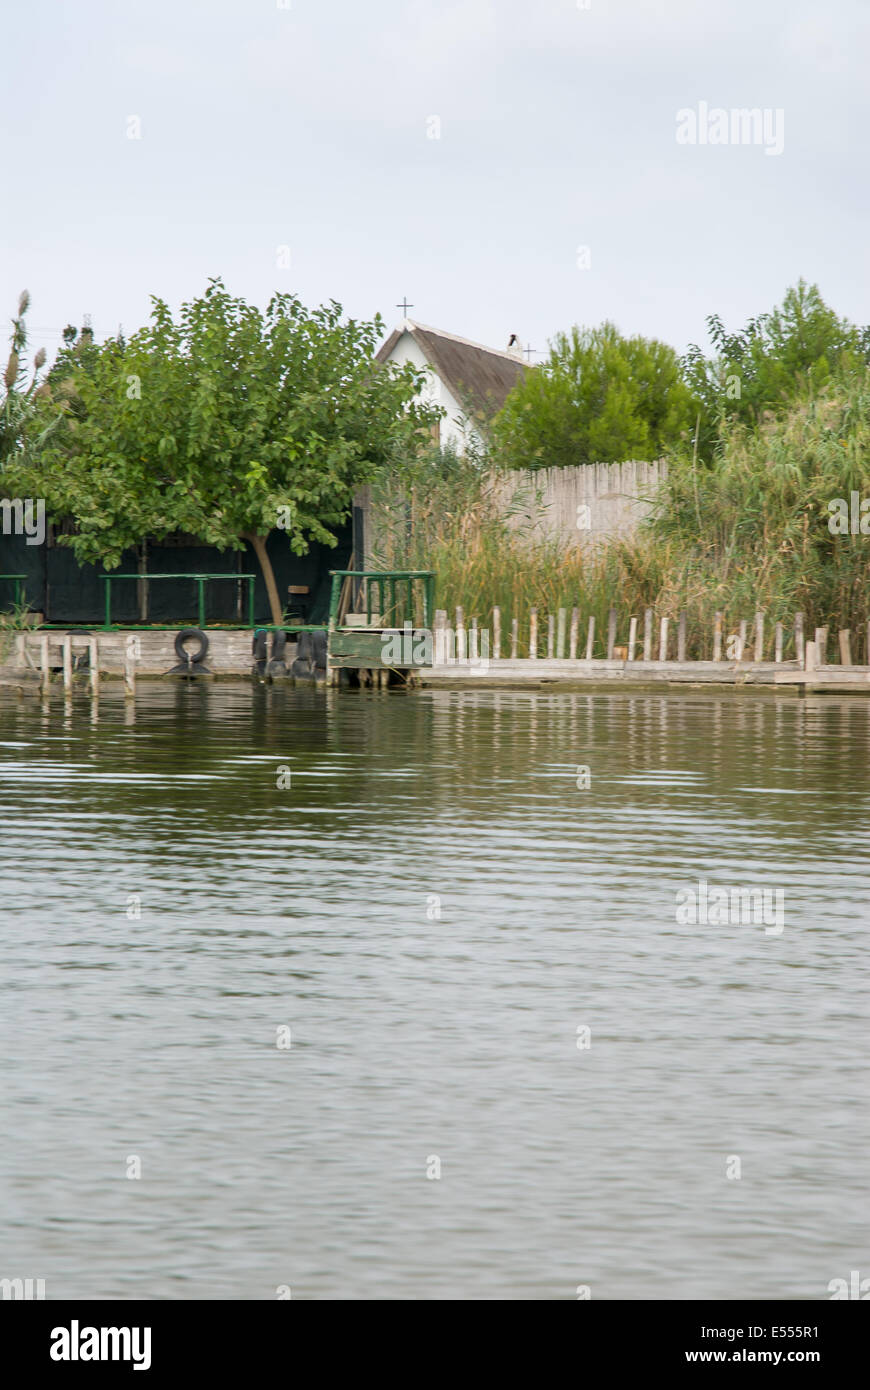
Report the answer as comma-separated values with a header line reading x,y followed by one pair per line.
x,y
432,907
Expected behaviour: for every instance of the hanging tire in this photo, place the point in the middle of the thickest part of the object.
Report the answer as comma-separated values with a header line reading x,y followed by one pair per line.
x,y
258,651
191,634
318,648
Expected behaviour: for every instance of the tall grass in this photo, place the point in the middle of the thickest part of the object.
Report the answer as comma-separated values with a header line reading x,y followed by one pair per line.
x,y
748,532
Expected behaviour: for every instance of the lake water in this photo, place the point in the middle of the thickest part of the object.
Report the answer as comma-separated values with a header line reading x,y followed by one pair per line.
x,y
432,907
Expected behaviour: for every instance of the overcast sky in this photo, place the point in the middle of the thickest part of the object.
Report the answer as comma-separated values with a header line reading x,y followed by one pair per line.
x,y
311,127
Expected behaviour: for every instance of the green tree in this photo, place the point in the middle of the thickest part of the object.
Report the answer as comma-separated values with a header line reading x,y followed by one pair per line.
x,y
800,345
224,423
598,398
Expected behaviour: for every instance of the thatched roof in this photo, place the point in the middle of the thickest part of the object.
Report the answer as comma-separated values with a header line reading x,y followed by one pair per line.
x,y
469,370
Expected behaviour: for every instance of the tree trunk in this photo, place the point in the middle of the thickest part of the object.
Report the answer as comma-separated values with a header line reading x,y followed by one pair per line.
x,y
259,544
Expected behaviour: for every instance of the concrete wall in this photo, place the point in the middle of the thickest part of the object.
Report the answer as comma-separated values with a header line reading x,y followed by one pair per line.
x,y
597,501
548,502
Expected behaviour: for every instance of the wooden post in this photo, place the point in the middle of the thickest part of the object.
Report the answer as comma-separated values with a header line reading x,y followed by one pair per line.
x,y
810,656
681,638
533,633
821,646
560,634
496,634
574,634
741,640
129,674
759,636
717,636
611,633
647,634
472,641
460,635
632,638
799,637
439,628
515,637
590,637
45,669
551,636
845,636
66,647
777,643
94,662
663,640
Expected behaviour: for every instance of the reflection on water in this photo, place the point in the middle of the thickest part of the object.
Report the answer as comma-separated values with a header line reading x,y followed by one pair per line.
x,y
433,907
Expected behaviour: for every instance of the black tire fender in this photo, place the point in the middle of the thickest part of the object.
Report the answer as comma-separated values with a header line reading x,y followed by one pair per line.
x,y
191,634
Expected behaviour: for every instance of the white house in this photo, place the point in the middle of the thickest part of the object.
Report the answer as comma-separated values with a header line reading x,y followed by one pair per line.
x,y
462,375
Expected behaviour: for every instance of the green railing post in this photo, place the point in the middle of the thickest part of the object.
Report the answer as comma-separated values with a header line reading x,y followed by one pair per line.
x,y
251,582
200,584
108,583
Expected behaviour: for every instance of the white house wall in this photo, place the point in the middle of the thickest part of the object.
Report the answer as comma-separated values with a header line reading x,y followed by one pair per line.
x,y
453,425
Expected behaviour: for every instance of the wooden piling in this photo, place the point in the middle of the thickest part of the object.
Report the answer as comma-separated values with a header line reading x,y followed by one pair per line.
x,y
94,663
44,668
129,674
741,639
496,634
759,636
515,637
799,637
810,656
718,620
681,638
439,628
472,641
461,651
551,636
822,646
560,634
611,633
66,649
777,642
647,634
533,633
590,637
663,640
632,638
574,634
845,638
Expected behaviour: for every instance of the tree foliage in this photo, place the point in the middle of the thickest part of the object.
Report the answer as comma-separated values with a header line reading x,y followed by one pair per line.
x,y
598,398
800,345
223,422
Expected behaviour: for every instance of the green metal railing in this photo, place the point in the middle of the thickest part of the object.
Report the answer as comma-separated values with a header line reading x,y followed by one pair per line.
x,y
397,592
199,579
17,579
